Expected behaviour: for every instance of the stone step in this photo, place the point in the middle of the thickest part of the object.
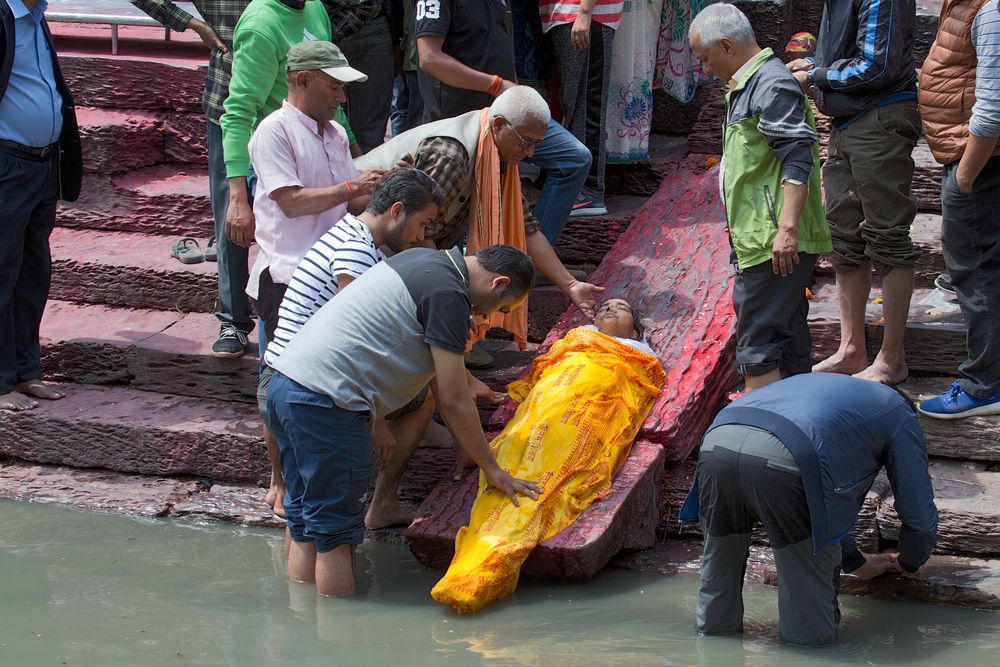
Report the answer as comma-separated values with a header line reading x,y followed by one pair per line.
x,y
967,496
150,350
926,235
128,269
110,82
126,430
116,141
673,264
935,332
162,199
972,438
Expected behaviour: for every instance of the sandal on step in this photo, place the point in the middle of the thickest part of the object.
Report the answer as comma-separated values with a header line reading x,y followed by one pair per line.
x,y
187,251
211,250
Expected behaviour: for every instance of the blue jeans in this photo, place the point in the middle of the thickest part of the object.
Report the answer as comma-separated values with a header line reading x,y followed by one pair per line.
x,y
567,162
327,463
234,305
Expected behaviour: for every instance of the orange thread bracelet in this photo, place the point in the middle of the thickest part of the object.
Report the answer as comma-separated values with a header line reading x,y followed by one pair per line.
x,y
495,86
350,192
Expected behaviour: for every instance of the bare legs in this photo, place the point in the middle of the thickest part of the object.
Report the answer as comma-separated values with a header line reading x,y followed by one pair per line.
x,y
751,382
332,572
851,358
276,492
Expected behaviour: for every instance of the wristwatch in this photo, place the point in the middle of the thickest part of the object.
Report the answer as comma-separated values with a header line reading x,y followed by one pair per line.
x,y
811,78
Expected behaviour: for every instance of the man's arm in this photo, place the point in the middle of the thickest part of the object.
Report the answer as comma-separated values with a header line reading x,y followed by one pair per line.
x,y
583,295
879,42
906,465
295,201
451,391
175,18
450,71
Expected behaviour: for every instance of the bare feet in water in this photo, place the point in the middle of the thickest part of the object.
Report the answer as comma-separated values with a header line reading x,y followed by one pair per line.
x,y
16,402
885,372
39,389
843,362
389,515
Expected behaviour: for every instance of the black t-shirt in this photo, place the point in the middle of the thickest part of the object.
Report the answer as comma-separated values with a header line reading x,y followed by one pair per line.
x,y
478,34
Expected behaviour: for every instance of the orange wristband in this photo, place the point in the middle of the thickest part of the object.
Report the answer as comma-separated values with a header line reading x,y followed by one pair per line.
x,y
350,192
495,86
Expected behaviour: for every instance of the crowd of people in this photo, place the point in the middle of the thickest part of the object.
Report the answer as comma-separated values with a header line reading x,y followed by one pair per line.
x,y
433,227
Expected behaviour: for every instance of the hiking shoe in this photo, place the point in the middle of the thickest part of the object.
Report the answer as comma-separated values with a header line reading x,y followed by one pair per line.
x,y
957,403
943,283
232,342
585,206
478,358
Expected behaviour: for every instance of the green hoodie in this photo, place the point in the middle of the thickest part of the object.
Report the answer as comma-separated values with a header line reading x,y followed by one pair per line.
x,y
751,182
263,35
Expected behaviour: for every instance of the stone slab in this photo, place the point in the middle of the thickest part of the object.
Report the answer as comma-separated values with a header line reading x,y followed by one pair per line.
x,y
94,490
948,580
125,430
935,332
116,141
545,306
89,344
163,199
225,503
625,519
673,265
128,269
968,501
588,240
972,438
118,83
926,179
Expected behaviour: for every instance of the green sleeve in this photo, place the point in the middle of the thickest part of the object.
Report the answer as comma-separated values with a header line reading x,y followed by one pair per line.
x,y
341,119
255,68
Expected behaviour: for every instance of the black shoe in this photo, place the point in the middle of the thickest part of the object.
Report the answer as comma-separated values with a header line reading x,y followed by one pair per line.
x,y
943,283
232,342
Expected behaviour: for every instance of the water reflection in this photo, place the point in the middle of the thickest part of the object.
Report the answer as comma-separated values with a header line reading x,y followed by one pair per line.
x,y
99,590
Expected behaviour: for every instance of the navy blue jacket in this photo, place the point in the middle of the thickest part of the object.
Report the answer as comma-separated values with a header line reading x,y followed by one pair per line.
x,y
841,432
864,55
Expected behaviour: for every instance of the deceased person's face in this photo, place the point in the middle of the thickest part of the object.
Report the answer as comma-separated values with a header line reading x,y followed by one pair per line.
x,y
614,318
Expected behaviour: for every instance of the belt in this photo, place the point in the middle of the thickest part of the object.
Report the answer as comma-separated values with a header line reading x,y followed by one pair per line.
x,y
30,151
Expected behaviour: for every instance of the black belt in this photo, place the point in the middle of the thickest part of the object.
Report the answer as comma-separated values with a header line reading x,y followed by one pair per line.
x,y
30,151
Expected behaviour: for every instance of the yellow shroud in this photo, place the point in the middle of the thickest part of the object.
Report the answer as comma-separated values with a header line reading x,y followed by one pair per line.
x,y
581,406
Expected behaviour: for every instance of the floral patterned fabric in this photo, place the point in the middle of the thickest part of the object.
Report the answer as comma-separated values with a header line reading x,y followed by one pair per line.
x,y
630,95
677,70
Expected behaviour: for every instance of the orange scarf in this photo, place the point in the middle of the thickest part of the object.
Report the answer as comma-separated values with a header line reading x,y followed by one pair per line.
x,y
497,217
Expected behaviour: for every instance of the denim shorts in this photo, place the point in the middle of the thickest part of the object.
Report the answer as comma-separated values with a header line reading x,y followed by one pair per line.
x,y
327,463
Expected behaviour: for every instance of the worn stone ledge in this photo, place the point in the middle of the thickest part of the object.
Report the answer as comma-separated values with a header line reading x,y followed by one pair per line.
x,y
116,141
119,83
972,438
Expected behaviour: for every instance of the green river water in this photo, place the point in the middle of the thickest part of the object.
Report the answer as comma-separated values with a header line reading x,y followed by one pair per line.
x,y
86,589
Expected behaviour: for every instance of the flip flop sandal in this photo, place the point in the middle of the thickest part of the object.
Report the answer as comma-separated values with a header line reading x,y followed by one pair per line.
x,y
211,250
187,251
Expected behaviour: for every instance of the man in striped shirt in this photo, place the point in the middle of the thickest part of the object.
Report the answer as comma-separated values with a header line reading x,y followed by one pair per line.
x,y
402,203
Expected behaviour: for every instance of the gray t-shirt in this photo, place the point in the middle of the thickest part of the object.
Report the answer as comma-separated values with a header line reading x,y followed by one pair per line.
x,y
370,348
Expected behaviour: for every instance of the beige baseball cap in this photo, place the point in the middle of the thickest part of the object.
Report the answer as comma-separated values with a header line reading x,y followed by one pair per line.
x,y
325,56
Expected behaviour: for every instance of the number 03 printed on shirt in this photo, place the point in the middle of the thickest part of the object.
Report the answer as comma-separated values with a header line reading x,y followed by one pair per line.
x,y
428,9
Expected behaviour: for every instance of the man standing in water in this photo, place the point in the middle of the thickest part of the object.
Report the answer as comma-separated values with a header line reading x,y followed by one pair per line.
x,y
799,456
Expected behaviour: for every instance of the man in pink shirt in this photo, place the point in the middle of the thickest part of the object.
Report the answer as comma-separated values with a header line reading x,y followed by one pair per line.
x,y
306,178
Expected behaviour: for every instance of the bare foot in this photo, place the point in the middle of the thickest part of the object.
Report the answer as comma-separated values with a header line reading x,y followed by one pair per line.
x,y
462,463
842,362
16,401
275,499
389,515
884,372
39,389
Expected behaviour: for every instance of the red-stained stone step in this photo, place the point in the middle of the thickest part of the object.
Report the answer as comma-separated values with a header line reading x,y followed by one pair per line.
x,y
626,519
935,336
151,350
117,141
111,82
588,240
163,199
673,264
133,431
128,269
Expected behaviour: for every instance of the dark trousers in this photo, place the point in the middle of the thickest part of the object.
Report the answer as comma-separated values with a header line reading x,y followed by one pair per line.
x,y
29,188
745,476
584,77
970,235
369,51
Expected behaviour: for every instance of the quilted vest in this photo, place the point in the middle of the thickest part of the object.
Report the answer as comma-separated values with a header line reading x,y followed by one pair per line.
x,y
948,81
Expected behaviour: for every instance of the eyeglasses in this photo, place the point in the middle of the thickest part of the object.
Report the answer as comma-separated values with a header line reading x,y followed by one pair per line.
x,y
521,141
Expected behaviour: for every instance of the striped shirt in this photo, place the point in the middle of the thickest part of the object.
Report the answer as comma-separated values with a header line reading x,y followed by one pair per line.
x,y
607,12
985,120
348,249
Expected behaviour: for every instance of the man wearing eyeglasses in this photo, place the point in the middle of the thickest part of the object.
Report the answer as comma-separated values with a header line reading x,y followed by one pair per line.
x,y
449,150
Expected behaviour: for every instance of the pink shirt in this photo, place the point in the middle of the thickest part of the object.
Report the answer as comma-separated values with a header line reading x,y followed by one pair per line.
x,y
558,12
287,150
